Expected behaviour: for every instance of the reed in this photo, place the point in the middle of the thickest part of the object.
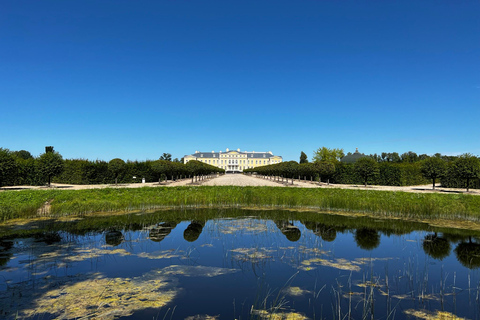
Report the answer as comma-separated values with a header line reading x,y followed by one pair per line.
x,y
15,204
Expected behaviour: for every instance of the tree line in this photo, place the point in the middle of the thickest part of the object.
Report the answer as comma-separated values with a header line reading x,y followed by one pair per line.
x,y
389,169
21,168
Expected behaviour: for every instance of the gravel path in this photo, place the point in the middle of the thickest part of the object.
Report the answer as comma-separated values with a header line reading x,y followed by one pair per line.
x,y
239,180
245,180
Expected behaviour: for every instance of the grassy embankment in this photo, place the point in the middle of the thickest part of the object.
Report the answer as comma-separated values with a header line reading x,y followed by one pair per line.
x,y
17,204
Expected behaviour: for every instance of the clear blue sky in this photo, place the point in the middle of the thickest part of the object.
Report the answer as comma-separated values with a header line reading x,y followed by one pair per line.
x,y
133,79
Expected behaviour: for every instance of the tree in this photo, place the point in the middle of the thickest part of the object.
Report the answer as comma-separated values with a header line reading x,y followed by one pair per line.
x,y
329,155
50,164
303,158
467,167
22,154
116,166
325,169
160,169
166,156
391,157
366,168
7,166
409,156
433,168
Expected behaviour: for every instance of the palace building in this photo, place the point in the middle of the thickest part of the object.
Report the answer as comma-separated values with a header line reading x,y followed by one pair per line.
x,y
234,160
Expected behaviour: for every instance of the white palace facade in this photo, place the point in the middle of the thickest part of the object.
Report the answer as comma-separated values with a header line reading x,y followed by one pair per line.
x,y
234,160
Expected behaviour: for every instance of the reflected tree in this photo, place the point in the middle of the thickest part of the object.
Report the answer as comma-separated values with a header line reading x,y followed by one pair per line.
x,y
161,231
5,253
468,254
327,233
193,230
455,238
113,238
436,247
48,237
291,232
367,239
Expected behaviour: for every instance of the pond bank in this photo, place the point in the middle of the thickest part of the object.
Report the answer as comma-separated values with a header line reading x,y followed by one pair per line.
x,y
461,207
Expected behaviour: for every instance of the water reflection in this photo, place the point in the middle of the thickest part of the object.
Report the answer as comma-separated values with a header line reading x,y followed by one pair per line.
x,y
368,270
114,238
468,254
48,238
367,239
436,247
291,232
161,230
327,233
5,253
193,231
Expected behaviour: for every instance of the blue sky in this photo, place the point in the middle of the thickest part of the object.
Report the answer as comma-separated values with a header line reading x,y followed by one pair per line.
x,y
133,79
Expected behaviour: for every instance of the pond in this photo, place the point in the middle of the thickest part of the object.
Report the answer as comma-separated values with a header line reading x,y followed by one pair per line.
x,y
237,264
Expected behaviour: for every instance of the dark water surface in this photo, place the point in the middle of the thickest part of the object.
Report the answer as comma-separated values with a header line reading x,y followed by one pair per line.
x,y
237,264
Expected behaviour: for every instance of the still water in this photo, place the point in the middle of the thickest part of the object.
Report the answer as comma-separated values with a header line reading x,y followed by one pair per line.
x,y
237,264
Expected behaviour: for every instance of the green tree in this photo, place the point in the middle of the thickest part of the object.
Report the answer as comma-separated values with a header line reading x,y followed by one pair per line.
x,y
303,158
467,167
22,154
328,155
50,164
116,166
160,168
166,156
433,168
366,168
7,166
325,169
409,156
390,157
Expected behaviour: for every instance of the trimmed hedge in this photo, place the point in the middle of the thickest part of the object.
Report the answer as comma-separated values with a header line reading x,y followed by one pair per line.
x,y
451,181
390,174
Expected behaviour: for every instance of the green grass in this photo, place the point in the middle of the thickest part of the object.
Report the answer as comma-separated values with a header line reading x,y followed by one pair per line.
x,y
16,204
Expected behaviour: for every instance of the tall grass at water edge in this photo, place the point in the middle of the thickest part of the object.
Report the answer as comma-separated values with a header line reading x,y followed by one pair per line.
x,y
25,203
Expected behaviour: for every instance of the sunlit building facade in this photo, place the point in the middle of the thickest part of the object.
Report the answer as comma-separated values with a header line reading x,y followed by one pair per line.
x,y
234,160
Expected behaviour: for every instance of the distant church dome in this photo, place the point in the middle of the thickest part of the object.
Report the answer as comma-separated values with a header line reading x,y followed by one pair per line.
x,y
351,158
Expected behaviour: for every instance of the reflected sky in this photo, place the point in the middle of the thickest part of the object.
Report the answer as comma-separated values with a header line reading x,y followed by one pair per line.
x,y
240,267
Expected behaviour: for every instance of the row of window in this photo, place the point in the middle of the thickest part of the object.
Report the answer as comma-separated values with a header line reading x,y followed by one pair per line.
x,y
236,161
231,156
